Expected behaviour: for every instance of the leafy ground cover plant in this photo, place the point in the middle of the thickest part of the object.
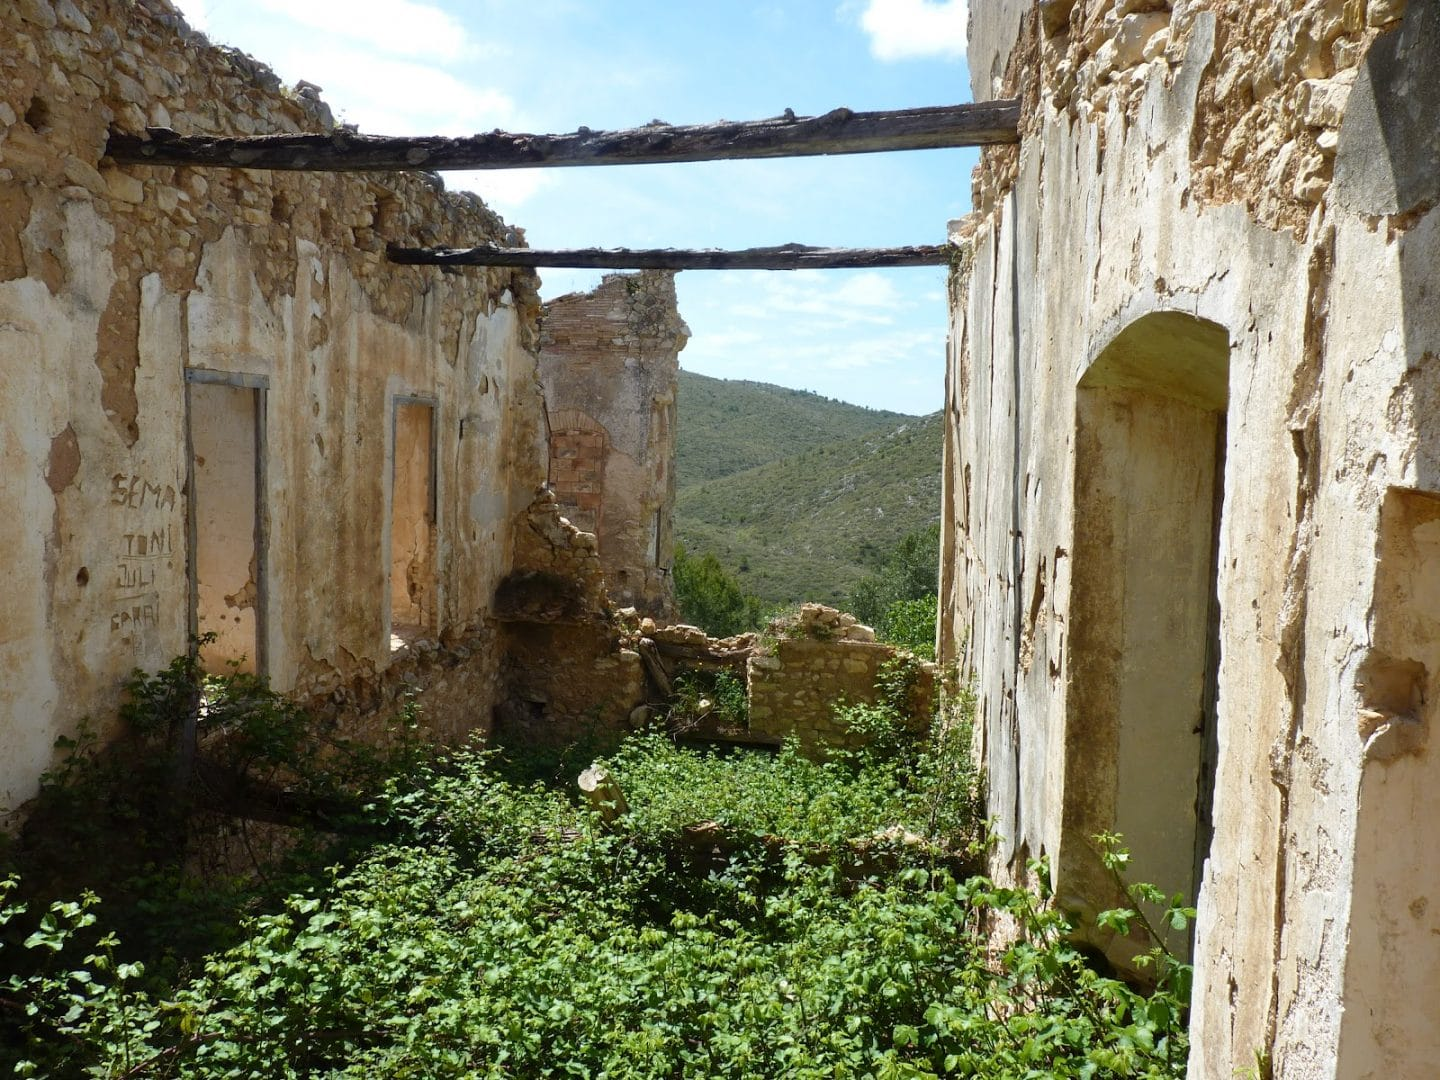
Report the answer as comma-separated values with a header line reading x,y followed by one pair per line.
x,y
498,929
716,695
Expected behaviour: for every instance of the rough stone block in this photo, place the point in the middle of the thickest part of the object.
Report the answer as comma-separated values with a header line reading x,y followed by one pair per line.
x,y
1135,33
1384,12
70,17
124,187
1321,102
86,175
38,12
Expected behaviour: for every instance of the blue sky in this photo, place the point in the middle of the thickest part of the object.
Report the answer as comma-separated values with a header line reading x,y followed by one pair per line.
x,y
455,67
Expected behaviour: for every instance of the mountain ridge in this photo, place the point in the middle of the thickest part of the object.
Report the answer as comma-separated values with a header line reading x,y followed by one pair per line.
x,y
838,488
730,425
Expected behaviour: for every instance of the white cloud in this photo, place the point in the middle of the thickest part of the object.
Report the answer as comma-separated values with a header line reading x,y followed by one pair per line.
x,y
916,29
836,299
504,190
397,97
196,13
397,27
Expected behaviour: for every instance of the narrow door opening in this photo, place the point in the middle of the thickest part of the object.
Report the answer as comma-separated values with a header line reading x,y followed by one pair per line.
x,y
412,588
1145,606
227,586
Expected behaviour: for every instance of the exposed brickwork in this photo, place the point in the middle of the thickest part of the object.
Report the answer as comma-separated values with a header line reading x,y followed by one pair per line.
x,y
578,448
609,362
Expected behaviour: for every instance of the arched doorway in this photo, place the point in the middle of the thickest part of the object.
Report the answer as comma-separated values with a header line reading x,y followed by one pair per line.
x,y
1144,612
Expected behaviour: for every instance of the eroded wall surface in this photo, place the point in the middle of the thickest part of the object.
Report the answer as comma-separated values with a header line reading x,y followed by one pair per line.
x,y
1264,173
120,284
609,360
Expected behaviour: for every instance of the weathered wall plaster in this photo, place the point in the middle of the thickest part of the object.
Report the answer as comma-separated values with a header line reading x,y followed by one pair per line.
x,y
1178,159
118,284
609,363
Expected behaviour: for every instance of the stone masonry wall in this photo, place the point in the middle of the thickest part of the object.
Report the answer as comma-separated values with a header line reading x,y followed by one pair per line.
x,y
126,292
1190,454
569,675
825,659
609,362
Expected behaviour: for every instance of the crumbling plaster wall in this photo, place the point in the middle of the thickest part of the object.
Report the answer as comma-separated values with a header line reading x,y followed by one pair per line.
x,y
609,361
116,281
1214,160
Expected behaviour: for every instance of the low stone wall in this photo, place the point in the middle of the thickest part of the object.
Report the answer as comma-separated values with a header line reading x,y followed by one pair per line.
x,y
797,689
821,658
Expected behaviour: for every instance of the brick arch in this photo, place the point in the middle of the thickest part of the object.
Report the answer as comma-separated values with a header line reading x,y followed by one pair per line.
x,y
571,421
579,445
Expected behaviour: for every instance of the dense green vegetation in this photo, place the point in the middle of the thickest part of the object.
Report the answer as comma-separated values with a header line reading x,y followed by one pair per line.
x,y
809,527
730,425
749,916
711,598
899,600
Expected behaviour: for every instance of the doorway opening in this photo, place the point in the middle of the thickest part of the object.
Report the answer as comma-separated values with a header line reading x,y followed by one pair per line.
x,y
226,435
412,588
1142,703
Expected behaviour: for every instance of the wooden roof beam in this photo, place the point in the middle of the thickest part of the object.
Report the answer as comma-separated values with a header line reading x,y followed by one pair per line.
x,y
784,257
840,131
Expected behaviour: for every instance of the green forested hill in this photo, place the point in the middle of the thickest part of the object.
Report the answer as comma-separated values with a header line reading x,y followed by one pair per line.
x,y
729,425
808,525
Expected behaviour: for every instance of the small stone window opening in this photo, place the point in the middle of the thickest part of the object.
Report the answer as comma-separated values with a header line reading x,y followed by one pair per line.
x,y
412,576
37,115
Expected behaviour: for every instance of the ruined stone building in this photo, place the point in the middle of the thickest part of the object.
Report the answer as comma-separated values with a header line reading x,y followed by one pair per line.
x,y
1191,550
1192,521
222,412
609,362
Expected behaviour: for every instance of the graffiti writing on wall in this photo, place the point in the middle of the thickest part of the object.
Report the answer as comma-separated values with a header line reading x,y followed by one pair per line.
x,y
144,551
136,493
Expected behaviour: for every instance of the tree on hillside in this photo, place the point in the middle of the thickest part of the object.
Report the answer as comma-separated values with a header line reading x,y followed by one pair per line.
x,y
710,598
910,571
900,599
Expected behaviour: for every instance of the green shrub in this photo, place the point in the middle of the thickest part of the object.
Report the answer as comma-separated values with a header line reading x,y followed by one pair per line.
x,y
498,930
911,625
717,694
910,571
709,597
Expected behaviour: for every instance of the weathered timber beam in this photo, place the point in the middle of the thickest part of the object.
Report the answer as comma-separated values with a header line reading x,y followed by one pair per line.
x,y
840,131
783,257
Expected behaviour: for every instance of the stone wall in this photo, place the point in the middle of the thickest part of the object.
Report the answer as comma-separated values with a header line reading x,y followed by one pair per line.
x,y
1193,347
134,300
609,362
823,659
795,690
570,675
